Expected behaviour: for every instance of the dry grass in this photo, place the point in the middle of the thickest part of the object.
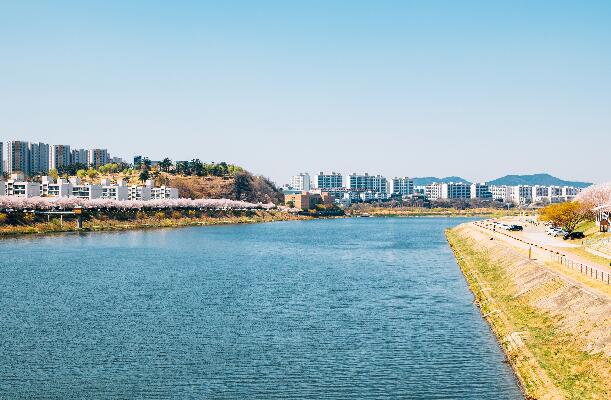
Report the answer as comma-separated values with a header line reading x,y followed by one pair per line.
x,y
556,335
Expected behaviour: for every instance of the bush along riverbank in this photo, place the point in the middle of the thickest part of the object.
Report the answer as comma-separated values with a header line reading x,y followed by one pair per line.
x,y
28,222
555,331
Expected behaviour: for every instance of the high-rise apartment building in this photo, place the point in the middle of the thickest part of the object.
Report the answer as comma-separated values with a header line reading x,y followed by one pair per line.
x,y
301,181
39,158
480,191
333,180
17,157
97,157
1,164
79,156
401,186
374,183
59,156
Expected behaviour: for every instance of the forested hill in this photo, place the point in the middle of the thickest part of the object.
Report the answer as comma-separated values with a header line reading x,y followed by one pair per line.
x,y
536,179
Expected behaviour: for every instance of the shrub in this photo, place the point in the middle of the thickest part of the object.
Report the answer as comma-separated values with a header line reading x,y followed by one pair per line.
x,y
160,215
176,215
3,219
192,213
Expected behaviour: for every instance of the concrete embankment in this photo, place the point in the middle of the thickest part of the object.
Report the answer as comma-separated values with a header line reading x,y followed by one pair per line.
x,y
555,330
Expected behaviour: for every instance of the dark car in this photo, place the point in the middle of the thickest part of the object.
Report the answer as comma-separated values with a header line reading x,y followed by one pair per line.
x,y
515,228
574,235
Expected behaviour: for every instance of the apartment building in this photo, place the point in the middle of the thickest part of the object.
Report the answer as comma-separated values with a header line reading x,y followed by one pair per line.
x,y
501,193
59,156
140,192
480,191
79,156
164,192
433,191
401,186
455,190
97,157
17,157
301,181
1,161
374,183
17,186
120,191
521,194
328,181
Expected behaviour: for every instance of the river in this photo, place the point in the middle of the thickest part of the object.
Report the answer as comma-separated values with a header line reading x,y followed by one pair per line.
x,y
350,308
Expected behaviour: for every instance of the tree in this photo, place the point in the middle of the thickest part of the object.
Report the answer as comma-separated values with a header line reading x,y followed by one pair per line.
x,y
81,173
566,215
144,175
53,173
92,173
165,164
595,195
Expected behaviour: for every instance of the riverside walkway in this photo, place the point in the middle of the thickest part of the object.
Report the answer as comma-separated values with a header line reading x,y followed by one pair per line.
x,y
543,250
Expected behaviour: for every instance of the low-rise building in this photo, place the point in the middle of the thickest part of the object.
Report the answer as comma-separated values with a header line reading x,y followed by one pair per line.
x,y
21,188
164,192
309,200
120,191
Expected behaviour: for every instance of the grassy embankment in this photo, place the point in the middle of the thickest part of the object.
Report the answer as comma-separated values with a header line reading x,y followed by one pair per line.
x,y
140,220
551,330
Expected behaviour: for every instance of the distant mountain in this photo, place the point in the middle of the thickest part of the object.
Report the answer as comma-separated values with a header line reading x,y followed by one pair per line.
x,y
427,180
536,179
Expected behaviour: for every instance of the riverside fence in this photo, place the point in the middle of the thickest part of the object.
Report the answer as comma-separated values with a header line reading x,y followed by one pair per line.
x,y
556,256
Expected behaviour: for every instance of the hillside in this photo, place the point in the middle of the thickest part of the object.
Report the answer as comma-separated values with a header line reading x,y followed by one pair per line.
x,y
536,179
241,186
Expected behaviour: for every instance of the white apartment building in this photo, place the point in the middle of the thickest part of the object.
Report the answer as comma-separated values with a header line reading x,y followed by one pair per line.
x,y
480,191
59,156
140,192
328,181
97,157
521,194
449,190
375,183
433,191
501,193
164,192
401,186
120,191
2,187
301,182
19,187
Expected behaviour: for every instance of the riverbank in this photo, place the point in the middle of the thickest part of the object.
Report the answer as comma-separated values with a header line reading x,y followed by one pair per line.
x,y
555,330
431,212
103,222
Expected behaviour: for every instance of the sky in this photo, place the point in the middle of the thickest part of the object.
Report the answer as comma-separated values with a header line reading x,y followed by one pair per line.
x,y
477,89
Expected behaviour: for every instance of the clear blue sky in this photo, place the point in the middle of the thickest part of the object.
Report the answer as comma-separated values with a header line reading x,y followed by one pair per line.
x,y
477,89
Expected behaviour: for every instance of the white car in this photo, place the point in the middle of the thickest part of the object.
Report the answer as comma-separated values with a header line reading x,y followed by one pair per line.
x,y
559,232
551,230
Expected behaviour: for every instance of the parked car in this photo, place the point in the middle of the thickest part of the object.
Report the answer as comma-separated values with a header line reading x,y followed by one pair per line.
x,y
552,229
559,232
573,235
515,228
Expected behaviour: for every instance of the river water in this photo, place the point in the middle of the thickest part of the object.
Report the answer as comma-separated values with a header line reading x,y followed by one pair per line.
x,y
351,308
